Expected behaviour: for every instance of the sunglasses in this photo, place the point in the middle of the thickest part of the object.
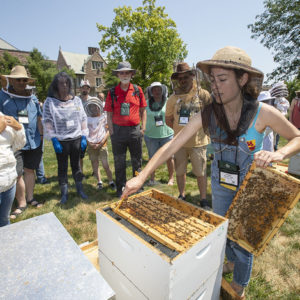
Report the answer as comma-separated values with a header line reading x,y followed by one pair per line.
x,y
25,80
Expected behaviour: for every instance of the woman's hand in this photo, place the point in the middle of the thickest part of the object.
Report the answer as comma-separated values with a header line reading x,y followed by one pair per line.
x,y
132,186
13,123
264,158
2,123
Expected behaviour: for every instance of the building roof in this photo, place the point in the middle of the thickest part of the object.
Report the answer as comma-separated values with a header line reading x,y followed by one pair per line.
x,y
75,61
6,45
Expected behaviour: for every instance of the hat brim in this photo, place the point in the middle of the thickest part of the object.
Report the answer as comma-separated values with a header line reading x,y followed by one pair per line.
x,y
205,66
115,72
4,78
175,74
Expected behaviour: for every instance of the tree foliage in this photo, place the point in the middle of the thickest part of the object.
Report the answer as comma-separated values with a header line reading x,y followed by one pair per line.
x,y
7,62
145,37
43,70
278,29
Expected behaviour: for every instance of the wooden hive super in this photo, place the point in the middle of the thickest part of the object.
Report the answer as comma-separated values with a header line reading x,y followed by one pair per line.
x,y
260,207
155,246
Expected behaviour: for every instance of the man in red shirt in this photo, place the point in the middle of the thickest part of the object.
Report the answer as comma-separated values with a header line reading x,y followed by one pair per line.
x,y
126,117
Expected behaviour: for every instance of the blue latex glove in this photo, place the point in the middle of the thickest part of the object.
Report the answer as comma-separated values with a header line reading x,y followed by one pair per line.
x,y
83,143
57,145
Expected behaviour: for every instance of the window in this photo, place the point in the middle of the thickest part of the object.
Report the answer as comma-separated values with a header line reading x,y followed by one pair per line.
x,y
97,65
98,81
78,80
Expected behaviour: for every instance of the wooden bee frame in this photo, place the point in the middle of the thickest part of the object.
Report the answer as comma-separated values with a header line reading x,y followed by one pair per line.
x,y
260,207
173,222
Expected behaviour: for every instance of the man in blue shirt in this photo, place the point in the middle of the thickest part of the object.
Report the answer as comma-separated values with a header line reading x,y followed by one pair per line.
x,y
18,102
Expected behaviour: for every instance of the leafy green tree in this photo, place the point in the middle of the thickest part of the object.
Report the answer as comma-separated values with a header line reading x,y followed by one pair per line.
x,y
278,29
7,62
293,86
145,37
43,70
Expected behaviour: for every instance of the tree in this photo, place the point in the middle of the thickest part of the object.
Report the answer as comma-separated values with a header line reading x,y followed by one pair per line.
x,y
278,29
43,71
145,37
7,62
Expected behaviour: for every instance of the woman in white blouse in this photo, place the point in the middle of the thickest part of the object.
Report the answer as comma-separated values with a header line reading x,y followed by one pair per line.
x,y
12,138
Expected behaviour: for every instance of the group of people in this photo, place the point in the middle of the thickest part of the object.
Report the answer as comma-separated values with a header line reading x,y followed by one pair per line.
x,y
176,130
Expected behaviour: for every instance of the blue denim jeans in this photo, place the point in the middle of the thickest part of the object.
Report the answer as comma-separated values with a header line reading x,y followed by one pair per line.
x,y
6,201
153,144
221,200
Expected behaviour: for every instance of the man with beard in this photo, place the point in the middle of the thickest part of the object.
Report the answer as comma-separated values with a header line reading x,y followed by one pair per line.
x,y
125,105
18,102
187,101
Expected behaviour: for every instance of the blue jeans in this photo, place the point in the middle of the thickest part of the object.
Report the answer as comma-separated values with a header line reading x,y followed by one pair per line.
x,y
6,201
40,171
153,144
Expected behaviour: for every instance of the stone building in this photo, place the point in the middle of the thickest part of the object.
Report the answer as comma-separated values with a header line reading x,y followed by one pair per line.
x,y
86,66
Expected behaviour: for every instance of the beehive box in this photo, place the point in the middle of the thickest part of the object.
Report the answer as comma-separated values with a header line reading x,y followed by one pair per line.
x,y
294,164
260,207
160,247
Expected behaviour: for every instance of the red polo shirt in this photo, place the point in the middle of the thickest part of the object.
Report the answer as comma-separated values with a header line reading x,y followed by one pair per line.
x,y
128,97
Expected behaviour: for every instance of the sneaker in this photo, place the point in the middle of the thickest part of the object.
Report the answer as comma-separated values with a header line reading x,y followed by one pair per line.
x,y
180,197
204,204
43,181
100,185
152,182
112,185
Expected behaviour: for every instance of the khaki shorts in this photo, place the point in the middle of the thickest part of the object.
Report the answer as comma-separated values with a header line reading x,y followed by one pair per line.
x,y
197,157
98,154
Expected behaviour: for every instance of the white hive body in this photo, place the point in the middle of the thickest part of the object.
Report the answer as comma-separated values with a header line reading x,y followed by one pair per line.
x,y
163,249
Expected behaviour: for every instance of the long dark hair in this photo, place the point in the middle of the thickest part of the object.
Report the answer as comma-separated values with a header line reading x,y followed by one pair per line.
x,y
213,115
53,89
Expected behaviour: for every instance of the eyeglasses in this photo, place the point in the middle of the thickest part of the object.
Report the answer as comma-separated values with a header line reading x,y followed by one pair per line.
x,y
25,80
125,72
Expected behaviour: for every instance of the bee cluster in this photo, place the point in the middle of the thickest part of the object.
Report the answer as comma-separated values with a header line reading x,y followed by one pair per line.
x,y
174,224
260,207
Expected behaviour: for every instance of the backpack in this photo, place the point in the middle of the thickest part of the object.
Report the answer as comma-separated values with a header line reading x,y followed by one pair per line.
x,y
113,94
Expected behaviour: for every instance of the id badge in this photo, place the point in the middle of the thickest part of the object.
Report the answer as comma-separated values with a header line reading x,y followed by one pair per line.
x,y
229,175
125,109
70,123
158,121
184,116
23,116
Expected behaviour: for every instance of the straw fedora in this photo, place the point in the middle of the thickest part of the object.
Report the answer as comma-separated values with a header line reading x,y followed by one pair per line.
x,y
123,66
17,72
181,68
232,58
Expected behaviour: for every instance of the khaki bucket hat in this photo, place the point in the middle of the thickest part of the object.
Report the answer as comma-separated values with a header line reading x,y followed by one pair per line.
x,y
232,58
17,72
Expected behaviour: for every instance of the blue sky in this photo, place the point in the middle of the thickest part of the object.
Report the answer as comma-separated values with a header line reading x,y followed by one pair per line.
x,y
205,26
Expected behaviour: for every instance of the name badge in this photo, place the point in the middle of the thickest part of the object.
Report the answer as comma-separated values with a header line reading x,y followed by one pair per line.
x,y
158,121
23,120
70,123
229,175
125,109
184,116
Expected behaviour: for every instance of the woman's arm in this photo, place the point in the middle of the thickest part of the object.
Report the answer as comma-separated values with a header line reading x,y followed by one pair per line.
x,y
273,118
163,154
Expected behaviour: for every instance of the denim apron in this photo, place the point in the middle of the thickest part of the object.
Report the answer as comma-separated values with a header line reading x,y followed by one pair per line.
x,y
222,197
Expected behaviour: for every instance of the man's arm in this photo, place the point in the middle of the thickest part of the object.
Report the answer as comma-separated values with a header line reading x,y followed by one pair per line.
x,y
40,125
143,116
169,121
110,123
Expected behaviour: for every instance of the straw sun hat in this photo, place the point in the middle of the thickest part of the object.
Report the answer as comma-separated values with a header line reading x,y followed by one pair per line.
x,y
17,72
232,58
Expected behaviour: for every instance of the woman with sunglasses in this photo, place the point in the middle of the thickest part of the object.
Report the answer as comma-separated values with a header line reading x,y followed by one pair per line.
x,y
236,123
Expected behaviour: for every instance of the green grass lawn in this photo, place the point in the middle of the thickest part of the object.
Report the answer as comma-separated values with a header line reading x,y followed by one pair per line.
x,y
276,273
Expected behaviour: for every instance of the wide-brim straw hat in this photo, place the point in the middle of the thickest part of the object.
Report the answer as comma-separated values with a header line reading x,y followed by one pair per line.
x,y
17,72
181,68
232,58
123,66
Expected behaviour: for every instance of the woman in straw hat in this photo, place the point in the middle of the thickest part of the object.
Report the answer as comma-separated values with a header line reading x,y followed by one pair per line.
x,y
236,123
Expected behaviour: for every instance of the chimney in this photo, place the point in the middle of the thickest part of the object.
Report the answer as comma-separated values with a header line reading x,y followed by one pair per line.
x,y
92,50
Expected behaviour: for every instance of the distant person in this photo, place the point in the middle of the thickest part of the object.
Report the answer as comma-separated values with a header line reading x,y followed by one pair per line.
x,y
65,124
157,132
19,102
268,143
295,110
97,140
85,89
12,138
126,116
186,101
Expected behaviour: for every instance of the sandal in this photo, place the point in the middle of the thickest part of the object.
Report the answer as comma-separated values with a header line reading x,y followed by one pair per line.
x,y
34,203
17,213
